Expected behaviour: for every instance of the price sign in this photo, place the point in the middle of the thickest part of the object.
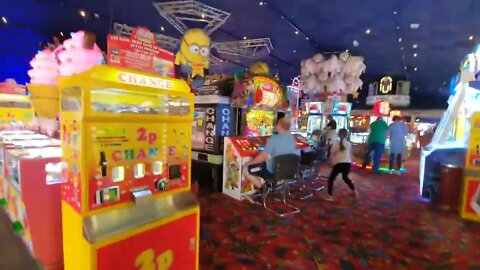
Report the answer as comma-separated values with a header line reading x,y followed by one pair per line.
x,y
169,246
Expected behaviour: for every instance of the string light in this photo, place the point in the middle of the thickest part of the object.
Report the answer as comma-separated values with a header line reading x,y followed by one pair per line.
x,y
261,3
4,20
61,34
203,15
368,31
415,69
469,38
82,13
162,28
415,54
296,32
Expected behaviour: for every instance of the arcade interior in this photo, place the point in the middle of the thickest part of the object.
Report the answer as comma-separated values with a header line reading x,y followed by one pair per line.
x,y
130,132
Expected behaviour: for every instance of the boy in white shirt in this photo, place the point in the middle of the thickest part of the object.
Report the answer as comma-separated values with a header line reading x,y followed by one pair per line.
x,y
341,153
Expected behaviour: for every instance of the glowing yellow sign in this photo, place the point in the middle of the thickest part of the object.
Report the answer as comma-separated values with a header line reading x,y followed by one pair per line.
x,y
142,80
386,85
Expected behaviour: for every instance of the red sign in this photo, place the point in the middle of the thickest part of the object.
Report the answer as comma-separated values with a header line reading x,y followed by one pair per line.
x,y
381,108
169,246
140,52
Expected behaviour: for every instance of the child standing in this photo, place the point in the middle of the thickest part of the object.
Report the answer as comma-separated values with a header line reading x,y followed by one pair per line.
x,y
341,153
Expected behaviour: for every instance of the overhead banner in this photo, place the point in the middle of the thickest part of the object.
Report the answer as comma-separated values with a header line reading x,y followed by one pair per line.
x,y
140,52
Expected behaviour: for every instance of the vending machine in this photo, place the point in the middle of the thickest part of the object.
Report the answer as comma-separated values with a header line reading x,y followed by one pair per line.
x,y
126,199
470,208
238,151
213,120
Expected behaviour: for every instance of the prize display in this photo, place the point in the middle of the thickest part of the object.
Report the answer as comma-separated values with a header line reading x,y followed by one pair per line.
x,y
470,208
237,152
126,137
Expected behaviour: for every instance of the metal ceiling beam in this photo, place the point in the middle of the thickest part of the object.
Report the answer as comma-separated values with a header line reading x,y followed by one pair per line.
x,y
249,48
175,12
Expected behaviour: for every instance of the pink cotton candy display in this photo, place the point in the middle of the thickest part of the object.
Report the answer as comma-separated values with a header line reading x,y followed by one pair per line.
x,y
79,54
45,68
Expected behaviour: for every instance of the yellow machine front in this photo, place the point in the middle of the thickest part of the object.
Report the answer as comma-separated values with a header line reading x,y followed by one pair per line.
x,y
16,111
127,204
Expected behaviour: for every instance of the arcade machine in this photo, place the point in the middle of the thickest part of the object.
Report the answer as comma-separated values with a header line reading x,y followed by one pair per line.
x,y
470,205
16,111
126,200
238,151
213,120
319,111
315,116
259,98
450,141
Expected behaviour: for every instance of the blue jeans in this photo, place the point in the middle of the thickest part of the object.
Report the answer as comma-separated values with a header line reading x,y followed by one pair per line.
x,y
377,150
398,157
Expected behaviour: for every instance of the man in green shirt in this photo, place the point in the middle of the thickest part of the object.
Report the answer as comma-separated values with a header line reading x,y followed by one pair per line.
x,y
376,143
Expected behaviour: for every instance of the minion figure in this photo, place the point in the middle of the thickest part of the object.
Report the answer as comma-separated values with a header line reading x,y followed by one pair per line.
x,y
192,58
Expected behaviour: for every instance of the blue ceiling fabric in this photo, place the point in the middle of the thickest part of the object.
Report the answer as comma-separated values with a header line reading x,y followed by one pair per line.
x,y
442,38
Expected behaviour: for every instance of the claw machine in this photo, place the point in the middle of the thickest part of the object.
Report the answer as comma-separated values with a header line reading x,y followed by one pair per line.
x,y
126,199
470,208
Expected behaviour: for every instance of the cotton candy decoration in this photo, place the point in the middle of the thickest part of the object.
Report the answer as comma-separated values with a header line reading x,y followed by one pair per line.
x,y
344,56
318,58
44,68
336,85
332,66
354,66
79,54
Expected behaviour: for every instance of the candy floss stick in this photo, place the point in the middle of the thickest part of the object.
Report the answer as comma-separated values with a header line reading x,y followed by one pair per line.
x,y
79,54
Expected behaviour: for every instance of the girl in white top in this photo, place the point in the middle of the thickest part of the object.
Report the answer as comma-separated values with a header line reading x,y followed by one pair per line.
x,y
341,153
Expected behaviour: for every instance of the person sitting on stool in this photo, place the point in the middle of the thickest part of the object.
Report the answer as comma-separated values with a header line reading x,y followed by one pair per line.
x,y
282,143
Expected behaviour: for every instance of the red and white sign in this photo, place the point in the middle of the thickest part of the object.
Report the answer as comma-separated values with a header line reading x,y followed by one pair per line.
x,y
169,246
381,108
140,52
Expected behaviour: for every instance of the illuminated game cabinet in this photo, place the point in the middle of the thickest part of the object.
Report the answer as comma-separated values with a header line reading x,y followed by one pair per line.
x,y
319,111
126,201
213,120
16,111
259,98
470,208
237,152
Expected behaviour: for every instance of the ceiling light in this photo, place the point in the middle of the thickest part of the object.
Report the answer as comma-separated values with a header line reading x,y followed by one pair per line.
x,y
368,31
401,48
347,50
355,43
294,51
61,34
444,83
244,38
296,32
399,39
415,54
405,67
415,69
398,27
395,12
4,20
203,15
260,3
82,13
414,25
415,46
307,38
162,28
469,38
96,15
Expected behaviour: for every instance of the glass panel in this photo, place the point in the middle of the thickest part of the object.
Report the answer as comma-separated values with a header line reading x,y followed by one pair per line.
x,y
72,99
15,104
139,170
118,174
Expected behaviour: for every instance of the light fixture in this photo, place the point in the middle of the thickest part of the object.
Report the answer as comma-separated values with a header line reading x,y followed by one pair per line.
x,y
398,27
296,32
82,13
347,50
260,3
444,83
294,51
405,67
395,12
401,48
96,15
4,20
368,31
399,39
415,69
414,25
307,38
203,15
61,34
415,46
470,38
162,28
244,38
355,43
415,54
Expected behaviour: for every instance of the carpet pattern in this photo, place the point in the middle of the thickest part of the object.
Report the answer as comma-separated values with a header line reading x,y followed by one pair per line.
x,y
385,227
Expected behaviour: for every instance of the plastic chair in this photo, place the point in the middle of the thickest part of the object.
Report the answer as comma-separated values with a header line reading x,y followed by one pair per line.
x,y
309,162
286,168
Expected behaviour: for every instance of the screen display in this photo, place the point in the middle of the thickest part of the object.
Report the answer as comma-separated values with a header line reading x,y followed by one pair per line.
x,y
198,128
174,172
342,108
259,123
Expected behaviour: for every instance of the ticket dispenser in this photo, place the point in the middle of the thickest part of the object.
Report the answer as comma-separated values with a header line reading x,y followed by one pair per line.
x,y
126,200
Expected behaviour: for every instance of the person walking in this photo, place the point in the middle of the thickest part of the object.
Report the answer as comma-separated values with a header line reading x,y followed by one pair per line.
x,y
376,143
398,132
342,160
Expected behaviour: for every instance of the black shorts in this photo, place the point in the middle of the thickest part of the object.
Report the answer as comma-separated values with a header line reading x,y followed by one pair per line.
x,y
260,170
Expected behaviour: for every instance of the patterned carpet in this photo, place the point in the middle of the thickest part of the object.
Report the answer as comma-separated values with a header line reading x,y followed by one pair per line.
x,y
386,227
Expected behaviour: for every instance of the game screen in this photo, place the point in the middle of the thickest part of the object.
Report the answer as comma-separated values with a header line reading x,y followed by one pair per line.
x,y
342,108
259,123
198,128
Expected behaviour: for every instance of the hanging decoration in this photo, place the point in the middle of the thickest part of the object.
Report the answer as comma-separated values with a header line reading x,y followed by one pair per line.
x,y
338,75
192,60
